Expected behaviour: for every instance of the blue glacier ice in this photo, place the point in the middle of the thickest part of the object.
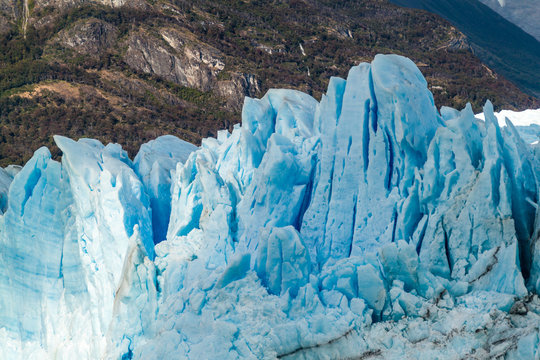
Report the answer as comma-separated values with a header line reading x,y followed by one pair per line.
x,y
154,164
6,177
369,224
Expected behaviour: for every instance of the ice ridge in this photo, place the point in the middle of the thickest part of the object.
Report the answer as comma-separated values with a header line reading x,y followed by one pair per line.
x,y
366,224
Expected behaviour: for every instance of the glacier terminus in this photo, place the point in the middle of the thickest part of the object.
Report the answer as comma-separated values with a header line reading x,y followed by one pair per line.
x,y
369,225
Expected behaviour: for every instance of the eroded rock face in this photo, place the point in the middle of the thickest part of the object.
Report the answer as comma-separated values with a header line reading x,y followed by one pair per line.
x,y
179,57
235,89
89,37
458,43
64,4
186,43
182,64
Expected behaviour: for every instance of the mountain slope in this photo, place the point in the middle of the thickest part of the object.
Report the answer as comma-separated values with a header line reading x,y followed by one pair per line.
x,y
523,13
499,43
128,74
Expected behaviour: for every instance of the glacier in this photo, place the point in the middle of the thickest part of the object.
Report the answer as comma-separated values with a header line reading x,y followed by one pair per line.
x,y
526,122
367,225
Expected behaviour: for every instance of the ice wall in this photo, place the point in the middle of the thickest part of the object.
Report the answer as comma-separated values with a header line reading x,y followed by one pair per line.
x,y
366,224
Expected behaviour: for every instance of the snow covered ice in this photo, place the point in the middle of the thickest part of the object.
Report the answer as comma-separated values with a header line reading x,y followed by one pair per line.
x,y
526,122
366,225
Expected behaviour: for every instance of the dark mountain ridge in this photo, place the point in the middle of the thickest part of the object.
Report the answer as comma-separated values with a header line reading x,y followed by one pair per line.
x,y
499,43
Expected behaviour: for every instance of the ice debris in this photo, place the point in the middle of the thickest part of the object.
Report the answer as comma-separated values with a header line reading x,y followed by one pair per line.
x,y
364,225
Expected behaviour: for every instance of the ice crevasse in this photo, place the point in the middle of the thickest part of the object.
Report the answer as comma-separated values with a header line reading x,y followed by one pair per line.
x,y
366,225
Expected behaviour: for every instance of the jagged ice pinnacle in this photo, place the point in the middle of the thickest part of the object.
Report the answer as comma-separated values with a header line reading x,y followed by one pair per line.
x,y
366,224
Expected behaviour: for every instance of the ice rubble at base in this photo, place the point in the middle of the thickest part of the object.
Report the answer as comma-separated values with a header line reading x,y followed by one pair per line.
x,y
364,225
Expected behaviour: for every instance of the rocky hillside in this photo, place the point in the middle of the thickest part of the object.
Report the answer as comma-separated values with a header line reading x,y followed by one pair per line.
x,y
128,71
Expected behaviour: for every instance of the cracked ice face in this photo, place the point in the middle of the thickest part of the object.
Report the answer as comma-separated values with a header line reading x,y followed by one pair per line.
x,y
366,224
